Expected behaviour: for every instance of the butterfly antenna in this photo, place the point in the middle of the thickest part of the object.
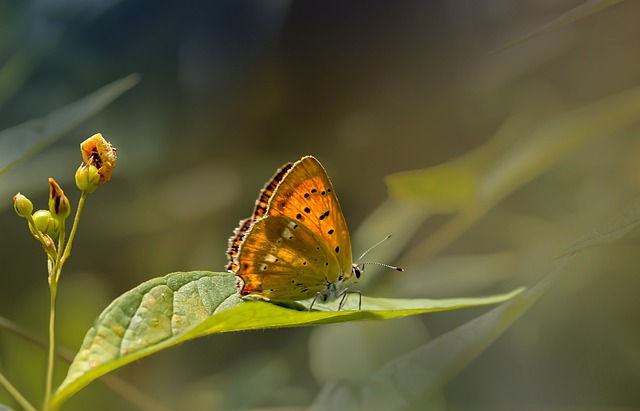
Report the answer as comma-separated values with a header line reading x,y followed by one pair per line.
x,y
393,267
374,246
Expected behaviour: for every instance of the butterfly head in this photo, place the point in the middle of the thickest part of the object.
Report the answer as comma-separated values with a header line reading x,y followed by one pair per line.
x,y
356,271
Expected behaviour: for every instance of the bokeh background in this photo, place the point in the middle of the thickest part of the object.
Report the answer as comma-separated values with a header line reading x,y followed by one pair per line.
x,y
230,90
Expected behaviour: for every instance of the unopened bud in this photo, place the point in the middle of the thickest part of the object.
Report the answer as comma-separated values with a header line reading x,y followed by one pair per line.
x,y
48,243
22,205
45,223
87,178
58,202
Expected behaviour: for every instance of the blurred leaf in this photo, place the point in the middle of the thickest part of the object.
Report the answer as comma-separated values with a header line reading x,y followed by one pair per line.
x,y
515,162
422,372
613,230
166,311
5,408
523,159
356,350
20,142
393,217
15,72
584,10
444,189
460,273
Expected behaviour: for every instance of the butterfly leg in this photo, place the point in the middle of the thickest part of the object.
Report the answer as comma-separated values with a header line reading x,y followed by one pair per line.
x,y
344,293
314,300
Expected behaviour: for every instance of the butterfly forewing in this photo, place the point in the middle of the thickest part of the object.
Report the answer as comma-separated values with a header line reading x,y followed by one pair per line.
x,y
306,196
282,260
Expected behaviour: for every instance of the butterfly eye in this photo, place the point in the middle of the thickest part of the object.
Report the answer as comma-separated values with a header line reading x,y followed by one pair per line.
x,y
356,270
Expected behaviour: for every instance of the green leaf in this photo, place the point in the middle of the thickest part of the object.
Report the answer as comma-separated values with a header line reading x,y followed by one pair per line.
x,y
421,373
5,408
166,311
611,231
20,142
579,12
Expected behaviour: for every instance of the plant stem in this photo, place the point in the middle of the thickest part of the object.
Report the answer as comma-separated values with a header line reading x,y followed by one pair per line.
x,y
61,257
74,228
53,290
52,340
16,394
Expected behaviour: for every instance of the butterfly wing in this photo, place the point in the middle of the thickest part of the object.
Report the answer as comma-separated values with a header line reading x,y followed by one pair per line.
x,y
258,212
283,260
306,196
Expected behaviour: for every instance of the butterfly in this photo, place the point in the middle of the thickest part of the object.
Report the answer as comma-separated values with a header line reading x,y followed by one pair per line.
x,y
296,244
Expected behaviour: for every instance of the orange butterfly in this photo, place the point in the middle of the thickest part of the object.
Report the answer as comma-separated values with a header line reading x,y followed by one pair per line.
x,y
296,245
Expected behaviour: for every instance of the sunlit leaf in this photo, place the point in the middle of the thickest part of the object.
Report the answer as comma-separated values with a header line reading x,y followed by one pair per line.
x,y
5,408
181,306
20,142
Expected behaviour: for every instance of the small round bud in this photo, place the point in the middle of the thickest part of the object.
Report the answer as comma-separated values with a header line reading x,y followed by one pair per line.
x,y
58,202
45,223
22,205
87,178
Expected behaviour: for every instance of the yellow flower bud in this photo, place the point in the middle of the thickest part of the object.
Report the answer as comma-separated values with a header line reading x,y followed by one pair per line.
x,y
58,203
87,178
22,205
45,223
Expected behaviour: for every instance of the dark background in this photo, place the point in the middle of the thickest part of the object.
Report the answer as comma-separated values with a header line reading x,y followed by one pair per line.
x,y
230,90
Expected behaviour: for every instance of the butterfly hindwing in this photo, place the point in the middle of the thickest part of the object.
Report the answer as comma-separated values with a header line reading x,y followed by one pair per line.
x,y
258,212
282,260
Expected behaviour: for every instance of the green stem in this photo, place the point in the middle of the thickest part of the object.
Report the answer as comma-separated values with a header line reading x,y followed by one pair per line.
x,y
52,340
74,228
16,394
53,289
61,257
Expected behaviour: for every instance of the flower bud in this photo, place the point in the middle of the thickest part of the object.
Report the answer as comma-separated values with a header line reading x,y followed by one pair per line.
x,y
45,223
48,243
99,152
22,205
58,202
87,178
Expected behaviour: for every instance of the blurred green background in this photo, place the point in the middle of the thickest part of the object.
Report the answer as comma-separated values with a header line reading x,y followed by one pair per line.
x,y
230,90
